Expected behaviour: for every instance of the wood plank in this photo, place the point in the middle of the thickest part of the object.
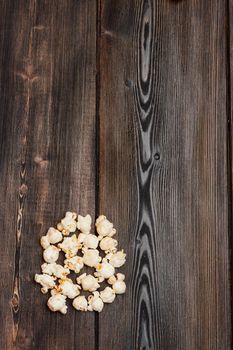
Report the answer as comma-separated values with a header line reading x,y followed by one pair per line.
x,y
163,172
47,132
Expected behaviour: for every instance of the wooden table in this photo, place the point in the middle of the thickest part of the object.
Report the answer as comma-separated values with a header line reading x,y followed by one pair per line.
x,y
123,108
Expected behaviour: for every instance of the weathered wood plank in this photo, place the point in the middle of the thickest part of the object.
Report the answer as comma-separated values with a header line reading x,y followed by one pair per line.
x,y
163,172
47,129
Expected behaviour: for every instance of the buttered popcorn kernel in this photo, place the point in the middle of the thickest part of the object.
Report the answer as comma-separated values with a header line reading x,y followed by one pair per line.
x,y
75,263
55,269
117,259
80,303
84,223
51,254
91,257
104,227
68,288
95,303
47,282
108,244
91,241
108,295
81,249
70,246
57,302
88,282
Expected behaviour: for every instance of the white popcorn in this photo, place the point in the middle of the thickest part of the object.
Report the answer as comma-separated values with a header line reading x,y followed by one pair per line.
x,y
117,259
54,275
68,222
51,254
104,270
81,237
108,244
107,295
88,282
57,302
95,303
118,284
104,227
68,288
53,236
80,303
84,223
70,246
75,263
44,241
55,269
46,281
91,257
90,241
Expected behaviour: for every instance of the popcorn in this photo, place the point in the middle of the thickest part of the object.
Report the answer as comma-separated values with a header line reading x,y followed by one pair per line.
x,y
118,284
55,269
80,303
104,227
108,295
54,275
68,222
57,302
88,282
108,244
75,263
84,223
46,281
68,288
104,270
51,254
91,257
116,259
81,237
95,303
90,241
70,246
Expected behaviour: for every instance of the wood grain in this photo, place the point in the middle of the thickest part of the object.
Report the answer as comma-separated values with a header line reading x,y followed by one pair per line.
x,y
47,132
163,172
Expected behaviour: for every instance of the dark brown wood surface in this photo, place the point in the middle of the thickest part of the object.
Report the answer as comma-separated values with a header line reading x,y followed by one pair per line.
x,y
122,108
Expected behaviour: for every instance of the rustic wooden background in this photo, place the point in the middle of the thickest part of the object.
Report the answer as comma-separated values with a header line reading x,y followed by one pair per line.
x,y
123,108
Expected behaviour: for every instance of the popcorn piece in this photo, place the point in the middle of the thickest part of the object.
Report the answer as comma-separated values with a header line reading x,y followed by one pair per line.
x,y
107,295
75,264
118,284
80,303
46,281
51,254
70,246
55,269
104,227
68,288
44,242
91,241
88,282
53,236
81,237
108,244
57,302
95,303
68,222
84,223
104,270
91,257
117,259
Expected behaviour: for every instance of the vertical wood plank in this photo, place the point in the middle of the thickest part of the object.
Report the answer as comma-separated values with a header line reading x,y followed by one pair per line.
x,y
47,129
163,172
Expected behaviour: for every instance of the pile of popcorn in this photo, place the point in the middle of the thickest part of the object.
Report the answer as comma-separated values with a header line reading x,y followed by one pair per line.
x,y
54,276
